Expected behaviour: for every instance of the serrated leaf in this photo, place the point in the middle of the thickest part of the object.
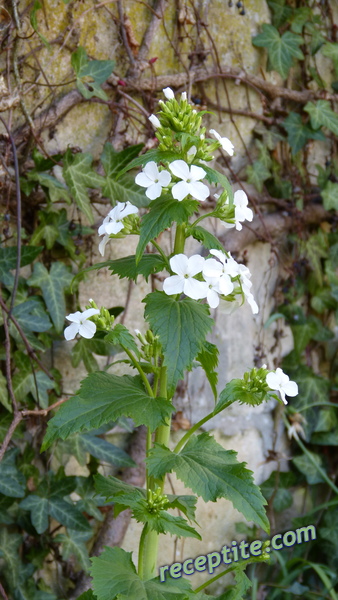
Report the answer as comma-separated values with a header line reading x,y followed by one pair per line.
x,y
163,522
12,481
120,335
243,584
212,472
257,174
105,451
163,212
124,189
234,391
38,508
52,285
206,238
182,326
67,514
208,358
299,133
127,267
218,178
114,574
322,115
155,155
282,50
79,175
103,398
330,196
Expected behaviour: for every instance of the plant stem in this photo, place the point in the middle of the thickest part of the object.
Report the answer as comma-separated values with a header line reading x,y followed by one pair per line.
x,y
140,370
179,239
194,428
201,218
158,247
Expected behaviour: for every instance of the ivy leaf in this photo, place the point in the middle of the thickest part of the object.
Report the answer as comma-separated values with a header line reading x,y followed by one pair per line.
x,y
299,133
321,114
212,472
163,212
34,23
83,352
276,487
257,174
8,259
282,50
52,285
281,13
105,451
38,508
330,196
127,266
123,188
72,544
56,190
330,49
68,515
208,358
97,70
114,575
12,481
206,238
103,398
79,175
300,17
31,315
308,467
182,327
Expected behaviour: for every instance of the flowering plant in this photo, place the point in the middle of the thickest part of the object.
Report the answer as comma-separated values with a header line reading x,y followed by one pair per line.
x,y
178,316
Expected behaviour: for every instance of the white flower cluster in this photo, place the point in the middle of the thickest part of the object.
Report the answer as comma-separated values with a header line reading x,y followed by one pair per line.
x,y
280,382
113,222
242,211
218,274
154,180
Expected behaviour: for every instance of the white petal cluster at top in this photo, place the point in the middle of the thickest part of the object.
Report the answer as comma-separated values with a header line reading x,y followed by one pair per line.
x,y
113,222
219,277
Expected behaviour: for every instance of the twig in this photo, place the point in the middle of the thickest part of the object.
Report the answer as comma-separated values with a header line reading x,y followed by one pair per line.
x,y
3,593
158,12
44,411
16,420
8,364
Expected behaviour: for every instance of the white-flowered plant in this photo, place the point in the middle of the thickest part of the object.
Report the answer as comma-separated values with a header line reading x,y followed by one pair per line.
x,y
179,323
153,179
242,210
190,183
225,143
80,324
280,382
113,222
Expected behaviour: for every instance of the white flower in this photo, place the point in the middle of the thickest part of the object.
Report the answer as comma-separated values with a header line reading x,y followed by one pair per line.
x,y
112,223
242,211
80,324
190,183
169,94
214,291
280,382
153,179
186,268
184,96
222,270
192,151
154,121
225,142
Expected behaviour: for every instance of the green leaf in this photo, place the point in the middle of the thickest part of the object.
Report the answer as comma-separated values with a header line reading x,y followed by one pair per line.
x,y
257,174
83,352
67,514
127,267
56,190
300,17
208,358
12,482
52,285
34,23
212,472
79,175
122,336
38,508
276,487
31,315
182,327
330,196
9,551
282,50
4,397
105,451
331,51
306,466
97,71
243,584
73,545
321,114
281,13
206,238
163,522
219,179
234,391
155,155
299,133
114,575
103,398
124,188
8,258
163,212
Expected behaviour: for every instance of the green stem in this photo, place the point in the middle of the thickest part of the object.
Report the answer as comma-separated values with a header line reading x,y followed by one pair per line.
x,y
179,239
158,247
194,428
201,218
310,457
140,370
232,568
141,551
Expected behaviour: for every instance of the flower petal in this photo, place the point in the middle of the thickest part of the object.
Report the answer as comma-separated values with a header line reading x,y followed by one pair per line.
x,y
197,173
74,317
213,298
272,380
113,228
154,191
129,209
89,313
180,190
199,190
102,244
169,94
87,329
173,285
71,331
154,121
143,180
195,265
195,289
212,268
225,285
164,178
151,169
291,388
179,264
180,169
